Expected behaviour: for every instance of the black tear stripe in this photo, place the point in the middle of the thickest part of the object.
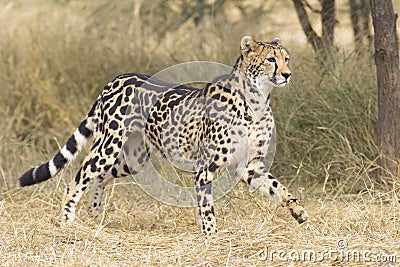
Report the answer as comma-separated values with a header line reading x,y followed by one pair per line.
x,y
275,70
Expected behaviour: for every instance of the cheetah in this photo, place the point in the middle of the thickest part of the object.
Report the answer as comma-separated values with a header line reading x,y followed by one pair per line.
x,y
136,115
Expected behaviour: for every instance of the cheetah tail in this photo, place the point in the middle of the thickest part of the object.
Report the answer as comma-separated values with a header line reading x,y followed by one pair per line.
x,y
68,153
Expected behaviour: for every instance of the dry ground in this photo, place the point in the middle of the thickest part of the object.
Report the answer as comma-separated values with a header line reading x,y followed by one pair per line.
x,y
56,55
136,230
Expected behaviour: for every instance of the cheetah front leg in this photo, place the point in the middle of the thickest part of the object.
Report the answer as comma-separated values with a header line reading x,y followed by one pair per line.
x,y
203,186
258,177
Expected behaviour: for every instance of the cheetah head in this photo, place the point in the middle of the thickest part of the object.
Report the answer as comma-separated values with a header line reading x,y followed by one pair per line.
x,y
265,64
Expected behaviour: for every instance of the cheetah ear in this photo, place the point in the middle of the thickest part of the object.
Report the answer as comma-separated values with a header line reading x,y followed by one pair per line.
x,y
276,41
248,44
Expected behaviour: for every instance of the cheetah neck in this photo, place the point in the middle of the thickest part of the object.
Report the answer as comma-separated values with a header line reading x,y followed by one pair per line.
x,y
258,100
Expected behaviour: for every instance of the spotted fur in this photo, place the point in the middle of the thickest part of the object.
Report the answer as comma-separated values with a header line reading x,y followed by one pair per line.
x,y
137,115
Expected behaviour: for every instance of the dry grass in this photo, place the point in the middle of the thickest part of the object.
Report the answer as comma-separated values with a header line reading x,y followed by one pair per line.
x,y
55,57
137,230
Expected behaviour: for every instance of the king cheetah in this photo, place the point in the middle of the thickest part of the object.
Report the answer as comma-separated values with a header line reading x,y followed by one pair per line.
x,y
176,120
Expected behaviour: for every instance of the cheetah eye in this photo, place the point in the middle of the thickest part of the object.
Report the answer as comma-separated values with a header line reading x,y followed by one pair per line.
x,y
286,59
271,59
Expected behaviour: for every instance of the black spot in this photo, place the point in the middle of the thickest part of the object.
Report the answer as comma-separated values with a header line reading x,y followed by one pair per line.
x,y
102,162
126,168
93,162
128,91
108,142
271,192
211,89
107,167
91,112
146,99
123,110
78,176
213,167
112,95
116,105
216,96
275,184
109,151
113,125
128,121
115,84
296,216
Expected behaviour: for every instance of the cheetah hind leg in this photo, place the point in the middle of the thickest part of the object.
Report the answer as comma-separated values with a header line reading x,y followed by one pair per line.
x,y
96,194
137,156
88,171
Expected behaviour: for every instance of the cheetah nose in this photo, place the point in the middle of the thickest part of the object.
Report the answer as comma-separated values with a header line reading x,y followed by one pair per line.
x,y
286,75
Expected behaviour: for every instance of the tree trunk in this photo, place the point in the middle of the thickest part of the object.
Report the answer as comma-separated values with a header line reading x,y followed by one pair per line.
x,y
321,44
328,19
355,22
387,67
312,36
366,20
360,15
